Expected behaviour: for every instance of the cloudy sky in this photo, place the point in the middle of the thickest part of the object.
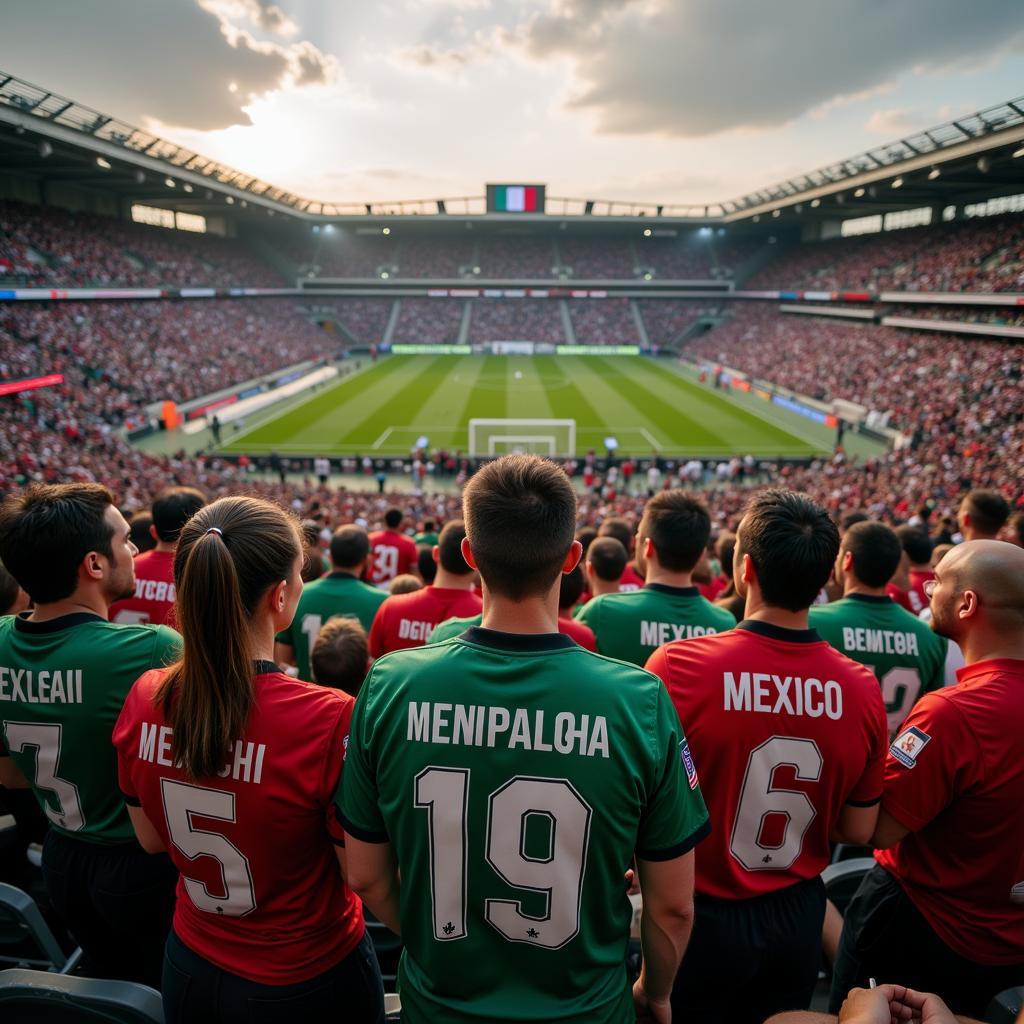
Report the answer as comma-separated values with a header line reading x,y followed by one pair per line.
x,y
675,101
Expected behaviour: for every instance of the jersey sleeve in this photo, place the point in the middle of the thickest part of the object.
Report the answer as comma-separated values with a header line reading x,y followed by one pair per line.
x,y
125,740
934,757
357,798
588,614
333,767
675,819
868,789
376,641
166,646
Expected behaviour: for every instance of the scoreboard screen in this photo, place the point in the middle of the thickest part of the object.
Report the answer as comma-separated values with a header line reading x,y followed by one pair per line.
x,y
515,198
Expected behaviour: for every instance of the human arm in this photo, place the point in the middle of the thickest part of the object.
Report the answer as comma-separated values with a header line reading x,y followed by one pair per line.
x,y
149,838
665,925
373,876
855,824
888,832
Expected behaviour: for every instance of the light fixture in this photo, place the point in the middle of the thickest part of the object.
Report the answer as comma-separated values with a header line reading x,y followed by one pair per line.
x,y
897,182
230,200
45,149
386,231
776,213
647,232
756,219
384,275
935,172
984,164
858,193
1018,152
105,164
648,276
187,187
169,182
815,203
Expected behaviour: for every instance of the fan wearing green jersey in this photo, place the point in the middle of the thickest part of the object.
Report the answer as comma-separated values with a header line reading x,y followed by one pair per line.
x,y
339,594
867,625
498,784
64,674
671,538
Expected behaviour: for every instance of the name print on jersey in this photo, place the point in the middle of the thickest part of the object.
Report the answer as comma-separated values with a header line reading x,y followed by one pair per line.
x,y
879,641
477,725
43,687
245,765
770,694
654,634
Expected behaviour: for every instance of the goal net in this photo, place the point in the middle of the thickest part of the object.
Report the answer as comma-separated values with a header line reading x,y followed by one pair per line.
x,y
537,437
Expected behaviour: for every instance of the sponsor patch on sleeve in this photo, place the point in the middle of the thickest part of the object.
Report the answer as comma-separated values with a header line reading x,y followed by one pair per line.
x,y
908,745
691,768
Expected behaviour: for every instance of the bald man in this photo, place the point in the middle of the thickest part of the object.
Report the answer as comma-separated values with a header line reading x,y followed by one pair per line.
x,y
943,908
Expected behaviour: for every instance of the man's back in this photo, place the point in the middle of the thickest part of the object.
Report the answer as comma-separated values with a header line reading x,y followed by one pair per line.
x,y
515,777
62,685
391,554
153,600
906,656
339,595
791,730
408,620
955,777
631,626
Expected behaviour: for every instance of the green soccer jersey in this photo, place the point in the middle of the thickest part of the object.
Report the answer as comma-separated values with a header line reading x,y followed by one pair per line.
x,y
338,595
62,684
453,627
514,805
906,656
425,540
631,626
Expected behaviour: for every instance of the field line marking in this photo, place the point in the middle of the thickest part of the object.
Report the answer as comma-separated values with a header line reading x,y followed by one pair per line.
x,y
383,437
651,439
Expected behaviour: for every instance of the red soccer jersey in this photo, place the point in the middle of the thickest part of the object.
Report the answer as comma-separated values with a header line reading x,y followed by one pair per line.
x,y
785,731
391,555
154,591
630,578
260,893
955,778
407,620
583,635
900,596
915,595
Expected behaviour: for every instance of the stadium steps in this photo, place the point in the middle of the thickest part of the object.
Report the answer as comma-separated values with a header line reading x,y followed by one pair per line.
x,y
641,327
272,254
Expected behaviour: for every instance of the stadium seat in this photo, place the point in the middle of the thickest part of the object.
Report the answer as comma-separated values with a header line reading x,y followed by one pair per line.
x,y
31,997
842,880
392,1007
26,939
1006,1006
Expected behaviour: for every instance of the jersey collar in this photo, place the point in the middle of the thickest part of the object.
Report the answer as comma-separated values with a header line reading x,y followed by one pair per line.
x,y
500,641
24,625
789,636
664,588
266,668
870,598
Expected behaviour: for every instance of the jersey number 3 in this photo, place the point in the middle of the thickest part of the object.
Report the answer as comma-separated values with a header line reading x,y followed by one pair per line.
x,y
556,873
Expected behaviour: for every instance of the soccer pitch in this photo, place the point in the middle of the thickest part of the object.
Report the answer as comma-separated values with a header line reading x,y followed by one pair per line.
x,y
647,406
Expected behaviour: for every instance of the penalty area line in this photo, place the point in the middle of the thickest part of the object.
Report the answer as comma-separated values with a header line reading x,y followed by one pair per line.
x,y
651,440
383,437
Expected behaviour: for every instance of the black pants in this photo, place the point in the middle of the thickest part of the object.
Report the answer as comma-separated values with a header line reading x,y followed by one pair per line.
x,y
885,937
117,902
748,959
197,992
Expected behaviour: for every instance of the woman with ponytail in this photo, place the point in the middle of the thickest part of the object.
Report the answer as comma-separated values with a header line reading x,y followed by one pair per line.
x,y
231,766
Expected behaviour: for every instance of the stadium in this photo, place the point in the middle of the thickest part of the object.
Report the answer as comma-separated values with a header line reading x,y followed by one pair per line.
x,y
327,392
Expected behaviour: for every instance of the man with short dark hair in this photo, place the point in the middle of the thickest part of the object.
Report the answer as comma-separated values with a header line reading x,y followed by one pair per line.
x,y
605,564
408,620
795,734
943,909
917,547
339,656
867,625
632,576
64,673
12,598
153,599
671,540
1015,529
496,786
982,514
340,594
392,553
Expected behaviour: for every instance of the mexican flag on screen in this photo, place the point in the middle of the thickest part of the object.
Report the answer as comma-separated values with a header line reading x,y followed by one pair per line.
x,y
515,198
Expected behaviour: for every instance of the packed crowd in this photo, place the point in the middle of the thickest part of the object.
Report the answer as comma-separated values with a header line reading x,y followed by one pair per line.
x,y
695,256
431,257
428,321
598,258
365,320
982,255
603,322
666,319
538,320
1008,317
44,246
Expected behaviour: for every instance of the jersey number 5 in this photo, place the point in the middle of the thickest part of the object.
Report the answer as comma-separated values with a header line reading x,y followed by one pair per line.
x,y
557,873
768,833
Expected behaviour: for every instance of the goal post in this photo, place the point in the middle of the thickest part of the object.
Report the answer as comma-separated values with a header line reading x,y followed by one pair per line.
x,y
555,438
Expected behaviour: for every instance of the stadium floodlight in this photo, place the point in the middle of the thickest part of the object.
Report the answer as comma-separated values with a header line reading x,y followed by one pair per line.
x,y
384,275
169,182
187,187
1018,152
897,182
45,149
776,213
815,203
935,172
386,231
230,200
647,232
105,164
858,193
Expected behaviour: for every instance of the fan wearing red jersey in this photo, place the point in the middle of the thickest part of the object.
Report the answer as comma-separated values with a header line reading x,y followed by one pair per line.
x,y
407,620
230,765
944,907
569,593
392,553
153,600
793,735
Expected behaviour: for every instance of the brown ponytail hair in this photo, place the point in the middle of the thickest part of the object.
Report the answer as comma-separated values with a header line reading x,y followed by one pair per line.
x,y
229,555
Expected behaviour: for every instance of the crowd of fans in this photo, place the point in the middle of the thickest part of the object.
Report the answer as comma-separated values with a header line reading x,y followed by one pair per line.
x,y
429,321
999,317
603,322
365,320
537,320
47,247
982,255
666,319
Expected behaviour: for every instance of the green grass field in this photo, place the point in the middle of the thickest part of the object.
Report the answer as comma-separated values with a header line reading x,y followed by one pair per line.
x,y
646,405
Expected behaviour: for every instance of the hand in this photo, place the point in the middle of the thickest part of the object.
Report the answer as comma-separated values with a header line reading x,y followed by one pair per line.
x,y
650,1011
882,1005
926,1007
632,883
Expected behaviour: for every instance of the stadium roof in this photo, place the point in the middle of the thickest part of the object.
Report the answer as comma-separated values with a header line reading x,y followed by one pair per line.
x,y
48,136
